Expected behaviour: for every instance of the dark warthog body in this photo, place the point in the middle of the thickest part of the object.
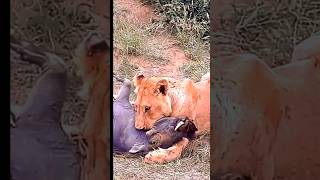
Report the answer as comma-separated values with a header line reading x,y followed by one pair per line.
x,y
126,138
39,147
125,135
170,129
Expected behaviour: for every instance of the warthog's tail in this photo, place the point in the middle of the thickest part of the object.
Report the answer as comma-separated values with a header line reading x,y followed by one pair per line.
x,y
118,78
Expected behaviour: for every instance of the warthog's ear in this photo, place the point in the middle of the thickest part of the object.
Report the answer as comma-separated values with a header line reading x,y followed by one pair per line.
x,y
186,126
137,148
162,86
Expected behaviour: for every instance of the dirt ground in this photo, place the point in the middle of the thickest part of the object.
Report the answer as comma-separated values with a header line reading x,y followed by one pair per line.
x,y
155,54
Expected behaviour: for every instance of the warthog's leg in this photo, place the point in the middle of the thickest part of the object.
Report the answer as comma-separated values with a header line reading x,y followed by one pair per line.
x,y
48,93
161,156
39,147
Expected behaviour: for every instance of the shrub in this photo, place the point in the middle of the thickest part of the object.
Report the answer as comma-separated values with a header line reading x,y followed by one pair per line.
x,y
188,16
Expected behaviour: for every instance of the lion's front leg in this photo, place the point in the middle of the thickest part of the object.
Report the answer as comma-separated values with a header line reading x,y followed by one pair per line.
x,y
161,156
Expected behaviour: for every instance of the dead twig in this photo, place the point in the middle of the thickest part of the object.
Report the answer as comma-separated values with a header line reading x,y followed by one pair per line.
x,y
28,52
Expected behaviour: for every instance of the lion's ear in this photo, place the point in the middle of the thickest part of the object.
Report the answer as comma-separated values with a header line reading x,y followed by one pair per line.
x,y
137,79
162,86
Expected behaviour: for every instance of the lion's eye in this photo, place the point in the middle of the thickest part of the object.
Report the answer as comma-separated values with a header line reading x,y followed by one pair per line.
x,y
146,108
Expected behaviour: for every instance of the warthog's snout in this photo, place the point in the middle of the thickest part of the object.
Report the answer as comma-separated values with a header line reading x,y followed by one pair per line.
x,y
169,130
155,141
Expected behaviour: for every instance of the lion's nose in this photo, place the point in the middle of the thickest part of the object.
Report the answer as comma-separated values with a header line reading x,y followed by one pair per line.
x,y
139,124
140,127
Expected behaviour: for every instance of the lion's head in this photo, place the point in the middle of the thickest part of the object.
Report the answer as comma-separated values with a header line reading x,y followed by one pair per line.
x,y
152,102
92,60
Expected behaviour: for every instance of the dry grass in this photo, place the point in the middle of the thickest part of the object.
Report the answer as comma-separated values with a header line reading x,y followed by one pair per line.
x,y
56,26
199,55
269,29
196,69
189,22
126,69
132,39
193,165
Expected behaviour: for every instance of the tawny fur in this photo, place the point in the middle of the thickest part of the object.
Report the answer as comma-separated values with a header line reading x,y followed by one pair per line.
x,y
187,99
162,156
165,97
96,87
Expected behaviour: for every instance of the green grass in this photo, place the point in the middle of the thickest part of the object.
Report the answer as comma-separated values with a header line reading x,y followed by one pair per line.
x,y
194,163
155,53
193,46
132,39
128,38
184,16
190,30
188,22
126,69
195,69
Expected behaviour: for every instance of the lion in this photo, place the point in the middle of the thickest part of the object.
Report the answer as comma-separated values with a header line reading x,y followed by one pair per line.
x,y
270,116
159,97
94,68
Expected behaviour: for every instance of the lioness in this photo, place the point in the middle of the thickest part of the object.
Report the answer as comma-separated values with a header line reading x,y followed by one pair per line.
x,y
126,138
270,116
156,99
94,68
